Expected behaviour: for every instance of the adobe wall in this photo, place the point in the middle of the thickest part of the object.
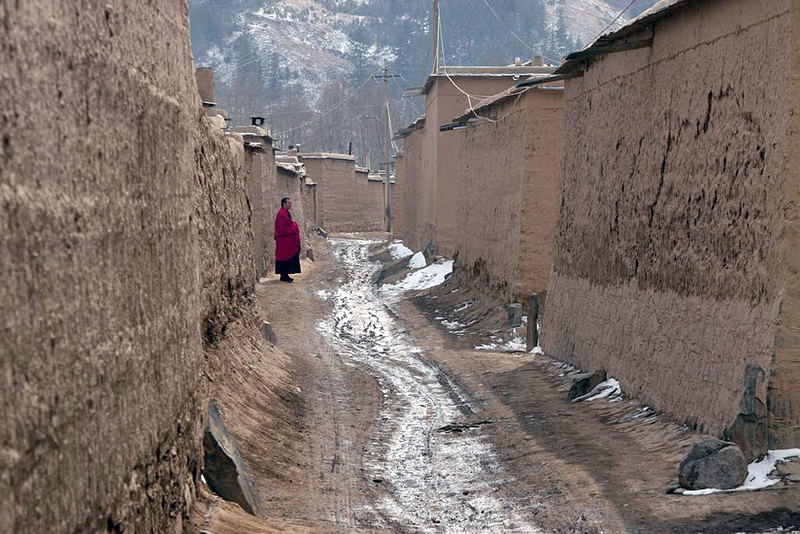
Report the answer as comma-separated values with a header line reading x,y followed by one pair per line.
x,y
419,188
309,195
677,231
126,253
344,202
507,193
398,198
373,202
261,179
444,103
429,174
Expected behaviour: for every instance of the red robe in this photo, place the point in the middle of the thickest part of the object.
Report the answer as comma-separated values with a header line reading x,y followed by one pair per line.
x,y
287,236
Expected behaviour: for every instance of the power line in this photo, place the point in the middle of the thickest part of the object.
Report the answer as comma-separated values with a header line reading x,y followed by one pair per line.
x,y
335,108
624,9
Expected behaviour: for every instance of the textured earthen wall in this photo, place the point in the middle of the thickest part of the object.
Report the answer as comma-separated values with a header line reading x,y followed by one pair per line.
x,y
261,178
430,170
445,102
398,198
310,206
373,202
507,190
419,188
126,252
677,210
346,203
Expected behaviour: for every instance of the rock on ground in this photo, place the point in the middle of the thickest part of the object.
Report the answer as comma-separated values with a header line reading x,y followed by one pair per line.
x,y
225,469
585,383
713,463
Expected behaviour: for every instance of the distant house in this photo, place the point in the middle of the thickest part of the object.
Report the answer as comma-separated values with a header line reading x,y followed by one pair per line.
x,y
676,264
508,155
346,203
430,164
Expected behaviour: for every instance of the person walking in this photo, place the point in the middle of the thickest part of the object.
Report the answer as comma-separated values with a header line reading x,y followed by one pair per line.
x,y
287,242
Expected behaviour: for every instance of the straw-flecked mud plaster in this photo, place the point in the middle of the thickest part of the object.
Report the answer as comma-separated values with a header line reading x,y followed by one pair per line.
x,y
676,254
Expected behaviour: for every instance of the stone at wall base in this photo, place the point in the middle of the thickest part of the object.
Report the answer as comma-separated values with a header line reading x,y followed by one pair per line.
x,y
749,432
322,232
225,470
269,332
585,383
514,315
532,328
310,253
712,463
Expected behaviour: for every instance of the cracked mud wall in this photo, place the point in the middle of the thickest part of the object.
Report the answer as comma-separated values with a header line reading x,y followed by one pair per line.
x,y
677,217
419,189
372,203
398,198
429,175
127,255
508,173
261,179
344,200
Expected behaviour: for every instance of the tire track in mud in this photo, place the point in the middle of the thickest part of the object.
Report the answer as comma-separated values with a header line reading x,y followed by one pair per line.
x,y
434,480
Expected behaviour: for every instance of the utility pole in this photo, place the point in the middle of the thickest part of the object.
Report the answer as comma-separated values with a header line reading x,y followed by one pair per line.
x,y
385,76
435,30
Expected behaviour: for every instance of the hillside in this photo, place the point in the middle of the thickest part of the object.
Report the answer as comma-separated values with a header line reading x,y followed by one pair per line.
x,y
288,58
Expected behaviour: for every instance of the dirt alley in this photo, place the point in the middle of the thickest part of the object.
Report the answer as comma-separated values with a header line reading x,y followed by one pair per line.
x,y
537,464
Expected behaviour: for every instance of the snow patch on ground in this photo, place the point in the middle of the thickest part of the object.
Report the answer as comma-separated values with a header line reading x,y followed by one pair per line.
x,y
516,344
609,388
399,251
417,261
757,473
430,276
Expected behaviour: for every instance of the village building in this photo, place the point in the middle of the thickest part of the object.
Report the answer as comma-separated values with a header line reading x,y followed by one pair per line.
x,y
509,151
347,202
260,173
430,167
676,261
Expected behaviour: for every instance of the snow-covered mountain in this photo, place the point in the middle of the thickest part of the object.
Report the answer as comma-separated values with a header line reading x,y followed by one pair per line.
x,y
280,57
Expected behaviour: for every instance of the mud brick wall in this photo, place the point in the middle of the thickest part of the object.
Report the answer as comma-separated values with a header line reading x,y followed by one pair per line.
x,y
261,178
119,207
418,190
373,202
676,257
398,198
507,194
310,206
344,203
227,270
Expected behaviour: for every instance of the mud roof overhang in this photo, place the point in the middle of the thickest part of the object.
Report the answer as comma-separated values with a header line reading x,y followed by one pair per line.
x,y
326,155
478,72
405,132
508,94
617,41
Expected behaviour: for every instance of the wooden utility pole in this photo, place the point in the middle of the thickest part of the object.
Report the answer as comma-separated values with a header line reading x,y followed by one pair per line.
x,y
387,201
435,30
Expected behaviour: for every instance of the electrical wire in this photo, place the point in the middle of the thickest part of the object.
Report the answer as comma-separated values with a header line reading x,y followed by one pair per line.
x,y
335,108
469,97
603,31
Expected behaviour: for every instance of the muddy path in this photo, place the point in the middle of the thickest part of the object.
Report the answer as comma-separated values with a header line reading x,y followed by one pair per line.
x,y
432,458
402,426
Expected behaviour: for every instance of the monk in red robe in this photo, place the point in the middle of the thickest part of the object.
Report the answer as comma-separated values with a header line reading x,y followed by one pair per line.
x,y
287,242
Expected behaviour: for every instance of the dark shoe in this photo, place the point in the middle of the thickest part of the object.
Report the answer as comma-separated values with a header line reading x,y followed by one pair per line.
x,y
286,278
289,279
